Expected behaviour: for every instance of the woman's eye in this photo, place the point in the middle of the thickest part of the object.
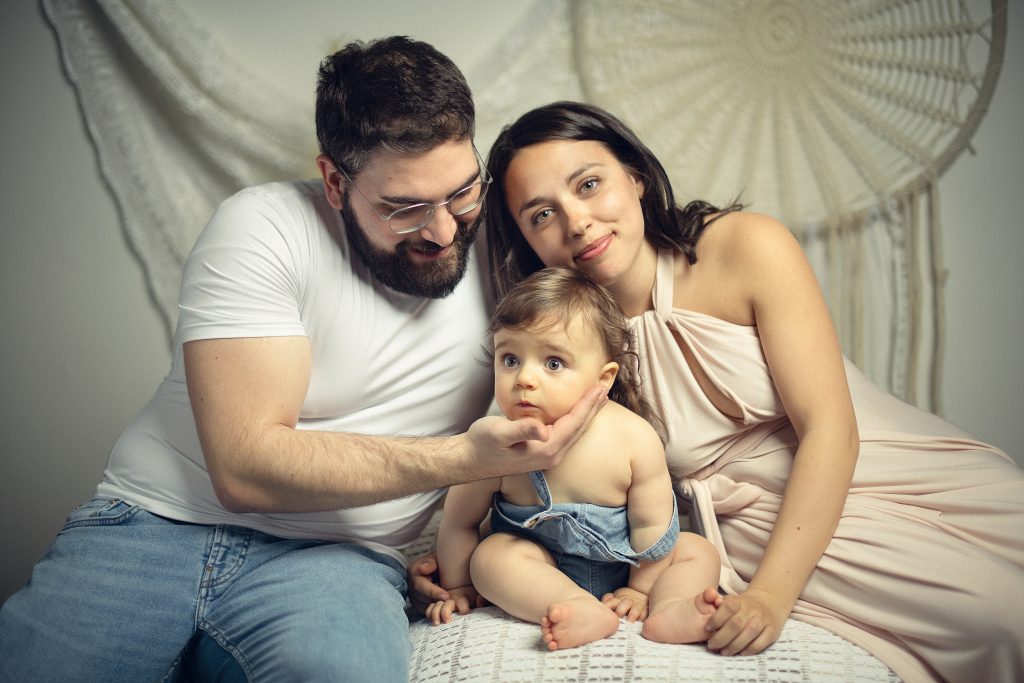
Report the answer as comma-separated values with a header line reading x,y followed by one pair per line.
x,y
509,361
589,185
554,364
542,216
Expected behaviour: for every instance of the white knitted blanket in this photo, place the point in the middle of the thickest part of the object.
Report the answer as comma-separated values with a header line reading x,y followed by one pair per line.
x,y
489,645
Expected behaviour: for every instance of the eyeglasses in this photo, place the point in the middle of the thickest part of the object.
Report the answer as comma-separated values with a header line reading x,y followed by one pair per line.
x,y
415,216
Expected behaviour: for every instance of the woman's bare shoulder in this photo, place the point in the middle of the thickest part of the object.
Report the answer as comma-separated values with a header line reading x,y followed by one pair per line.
x,y
746,243
740,230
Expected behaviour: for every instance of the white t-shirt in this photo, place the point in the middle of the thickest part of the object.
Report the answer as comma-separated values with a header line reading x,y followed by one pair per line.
x,y
383,363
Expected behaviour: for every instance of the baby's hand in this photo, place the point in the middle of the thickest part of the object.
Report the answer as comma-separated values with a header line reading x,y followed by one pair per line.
x,y
462,601
627,602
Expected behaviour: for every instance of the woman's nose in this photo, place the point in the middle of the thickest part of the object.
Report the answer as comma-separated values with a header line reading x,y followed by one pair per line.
x,y
577,220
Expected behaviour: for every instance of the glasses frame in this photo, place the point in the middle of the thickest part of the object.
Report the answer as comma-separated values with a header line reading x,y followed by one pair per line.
x,y
431,207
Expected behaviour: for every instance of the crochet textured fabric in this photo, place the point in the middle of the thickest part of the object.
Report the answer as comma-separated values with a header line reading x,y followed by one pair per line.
x,y
489,645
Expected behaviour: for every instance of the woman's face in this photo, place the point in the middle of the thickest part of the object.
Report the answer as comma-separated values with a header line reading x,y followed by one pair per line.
x,y
578,207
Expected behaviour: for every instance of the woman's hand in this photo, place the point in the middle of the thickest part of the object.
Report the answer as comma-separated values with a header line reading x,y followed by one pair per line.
x,y
627,602
747,623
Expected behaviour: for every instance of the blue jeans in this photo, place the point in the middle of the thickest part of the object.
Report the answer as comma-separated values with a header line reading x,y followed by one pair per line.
x,y
121,592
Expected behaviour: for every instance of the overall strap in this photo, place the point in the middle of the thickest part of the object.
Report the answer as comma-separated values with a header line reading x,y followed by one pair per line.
x,y
541,484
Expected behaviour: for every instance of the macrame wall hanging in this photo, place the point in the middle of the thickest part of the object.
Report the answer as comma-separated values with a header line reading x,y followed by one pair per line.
x,y
835,116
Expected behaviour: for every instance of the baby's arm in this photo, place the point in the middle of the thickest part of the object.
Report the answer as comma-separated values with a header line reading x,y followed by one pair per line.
x,y
457,538
649,503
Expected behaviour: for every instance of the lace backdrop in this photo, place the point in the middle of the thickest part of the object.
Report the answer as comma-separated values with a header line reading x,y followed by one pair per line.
x,y
836,117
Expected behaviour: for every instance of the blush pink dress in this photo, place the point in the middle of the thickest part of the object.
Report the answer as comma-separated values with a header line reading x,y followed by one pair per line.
x,y
926,568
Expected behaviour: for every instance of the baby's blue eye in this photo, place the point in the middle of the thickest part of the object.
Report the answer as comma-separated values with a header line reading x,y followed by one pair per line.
x,y
554,364
509,361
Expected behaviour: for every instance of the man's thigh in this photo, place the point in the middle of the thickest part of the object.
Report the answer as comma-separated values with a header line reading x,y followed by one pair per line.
x,y
324,612
114,598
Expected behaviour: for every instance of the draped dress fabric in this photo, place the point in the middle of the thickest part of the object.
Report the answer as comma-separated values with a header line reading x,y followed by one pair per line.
x,y
926,568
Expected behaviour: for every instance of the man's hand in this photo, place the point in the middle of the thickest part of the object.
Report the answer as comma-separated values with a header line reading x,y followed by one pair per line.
x,y
526,445
424,586
746,623
462,600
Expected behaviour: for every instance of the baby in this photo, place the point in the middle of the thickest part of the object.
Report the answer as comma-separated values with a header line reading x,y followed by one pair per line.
x,y
578,546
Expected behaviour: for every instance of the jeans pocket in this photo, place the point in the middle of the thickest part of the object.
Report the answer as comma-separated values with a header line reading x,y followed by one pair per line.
x,y
394,573
100,511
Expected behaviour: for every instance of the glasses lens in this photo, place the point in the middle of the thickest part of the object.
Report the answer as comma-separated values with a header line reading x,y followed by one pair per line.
x,y
467,199
411,218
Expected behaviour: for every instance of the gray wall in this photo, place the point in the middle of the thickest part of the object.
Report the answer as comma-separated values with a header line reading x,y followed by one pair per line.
x,y
82,347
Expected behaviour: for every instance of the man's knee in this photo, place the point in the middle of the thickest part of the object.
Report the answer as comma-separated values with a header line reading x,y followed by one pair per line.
x,y
364,651
323,613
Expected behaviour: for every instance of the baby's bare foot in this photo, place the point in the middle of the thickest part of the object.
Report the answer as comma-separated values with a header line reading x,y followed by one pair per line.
x,y
577,622
682,620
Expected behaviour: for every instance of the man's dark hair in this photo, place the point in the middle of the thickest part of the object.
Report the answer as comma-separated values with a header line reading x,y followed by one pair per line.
x,y
392,93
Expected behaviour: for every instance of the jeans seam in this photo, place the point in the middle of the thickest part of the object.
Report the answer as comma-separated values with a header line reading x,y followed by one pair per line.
x,y
222,577
230,647
98,519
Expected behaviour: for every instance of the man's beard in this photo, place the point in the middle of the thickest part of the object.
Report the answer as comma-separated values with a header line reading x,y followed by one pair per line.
x,y
432,279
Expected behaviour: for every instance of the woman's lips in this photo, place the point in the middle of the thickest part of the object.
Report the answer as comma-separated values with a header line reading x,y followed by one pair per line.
x,y
594,249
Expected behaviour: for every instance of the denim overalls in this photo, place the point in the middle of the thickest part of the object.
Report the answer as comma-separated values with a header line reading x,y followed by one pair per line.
x,y
590,543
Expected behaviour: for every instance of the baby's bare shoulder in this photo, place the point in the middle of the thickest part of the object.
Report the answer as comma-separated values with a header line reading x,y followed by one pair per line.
x,y
616,423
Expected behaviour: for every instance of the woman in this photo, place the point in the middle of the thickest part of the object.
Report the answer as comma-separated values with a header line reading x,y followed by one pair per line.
x,y
830,500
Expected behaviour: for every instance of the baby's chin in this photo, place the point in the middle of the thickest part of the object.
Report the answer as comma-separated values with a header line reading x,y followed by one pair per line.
x,y
519,412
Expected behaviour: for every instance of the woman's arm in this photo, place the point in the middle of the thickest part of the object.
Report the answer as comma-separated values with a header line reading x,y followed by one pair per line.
x,y
246,397
768,267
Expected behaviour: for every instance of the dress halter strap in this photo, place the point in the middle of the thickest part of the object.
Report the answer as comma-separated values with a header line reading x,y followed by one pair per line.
x,y
663,284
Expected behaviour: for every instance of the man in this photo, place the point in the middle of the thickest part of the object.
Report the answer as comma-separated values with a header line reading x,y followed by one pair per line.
x,y
329,339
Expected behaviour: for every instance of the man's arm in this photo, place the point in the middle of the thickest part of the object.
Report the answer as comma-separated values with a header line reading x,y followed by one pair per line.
x,y
247,395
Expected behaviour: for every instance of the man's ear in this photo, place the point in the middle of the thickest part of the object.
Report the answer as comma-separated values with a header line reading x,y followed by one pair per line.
x,y
332,181
608,374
